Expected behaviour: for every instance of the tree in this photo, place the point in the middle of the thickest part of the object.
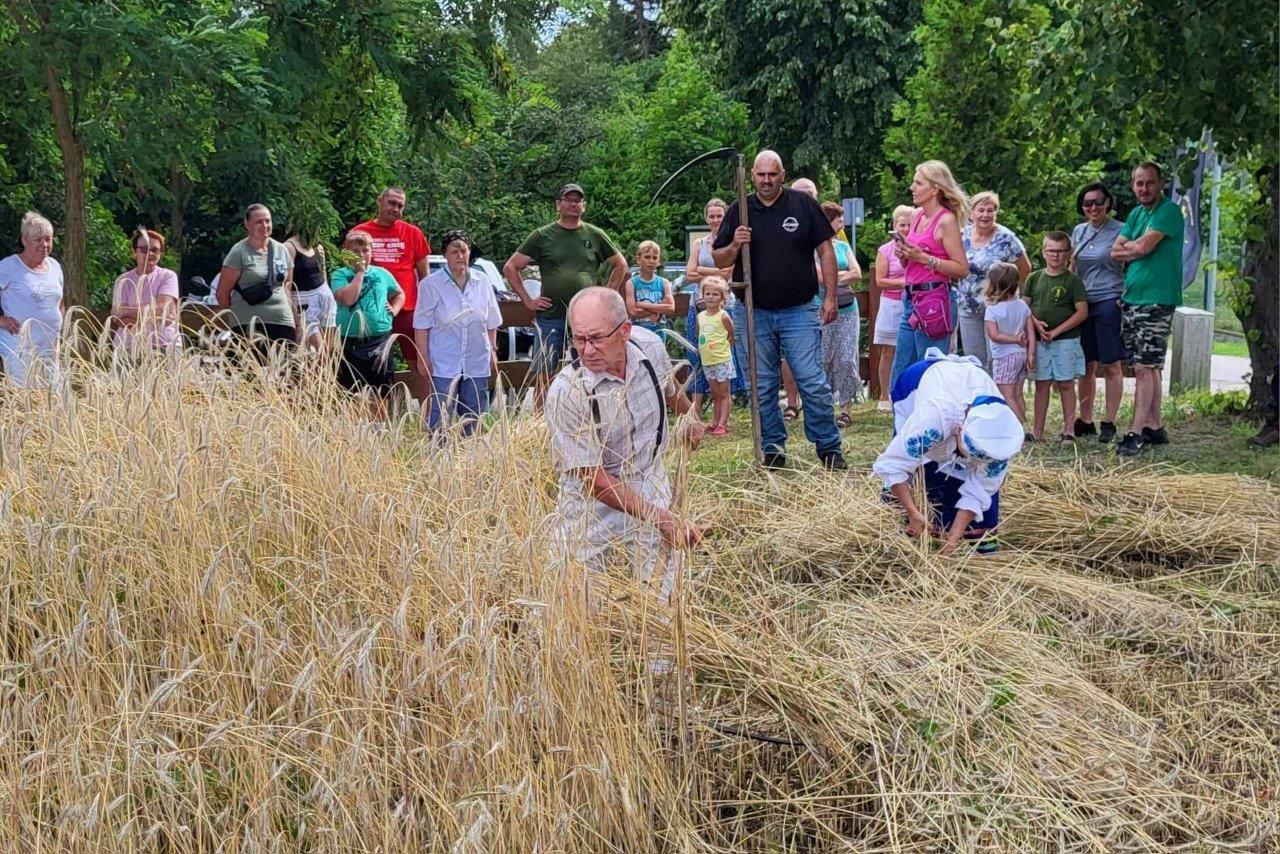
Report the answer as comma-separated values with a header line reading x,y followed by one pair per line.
x,y
96,63
1152,75
820,76
975,104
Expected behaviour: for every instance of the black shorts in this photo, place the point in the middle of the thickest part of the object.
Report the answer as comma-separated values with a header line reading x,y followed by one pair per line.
x,y
262,340
1100,333
367,364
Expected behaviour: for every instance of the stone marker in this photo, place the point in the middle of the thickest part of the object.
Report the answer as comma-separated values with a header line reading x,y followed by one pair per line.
x,y
1192,348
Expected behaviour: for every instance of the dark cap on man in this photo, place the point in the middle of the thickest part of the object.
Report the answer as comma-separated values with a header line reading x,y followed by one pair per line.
x,y
570,188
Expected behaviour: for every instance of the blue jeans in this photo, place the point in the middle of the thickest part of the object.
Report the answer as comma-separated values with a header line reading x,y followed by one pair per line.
x,y
549,348
738,314
465,401
912,344
793,334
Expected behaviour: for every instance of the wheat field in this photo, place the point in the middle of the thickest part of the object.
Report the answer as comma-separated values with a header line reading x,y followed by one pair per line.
x,y
237,619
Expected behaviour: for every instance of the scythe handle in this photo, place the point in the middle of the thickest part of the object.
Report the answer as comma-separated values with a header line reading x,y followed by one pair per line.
x,y
749,293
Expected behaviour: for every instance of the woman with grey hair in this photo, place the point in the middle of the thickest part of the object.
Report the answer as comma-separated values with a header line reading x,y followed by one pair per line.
x,y
986,243
31,307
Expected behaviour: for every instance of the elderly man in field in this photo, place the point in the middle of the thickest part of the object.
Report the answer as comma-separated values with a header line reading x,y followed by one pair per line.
x,y
607,414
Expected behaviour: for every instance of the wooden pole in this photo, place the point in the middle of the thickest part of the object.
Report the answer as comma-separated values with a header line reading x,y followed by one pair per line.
x,y
751,315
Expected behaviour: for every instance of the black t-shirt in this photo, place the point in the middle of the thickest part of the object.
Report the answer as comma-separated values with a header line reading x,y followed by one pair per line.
x,y
784,236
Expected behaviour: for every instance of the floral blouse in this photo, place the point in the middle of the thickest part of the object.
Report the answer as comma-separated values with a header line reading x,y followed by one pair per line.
x,y
1003,246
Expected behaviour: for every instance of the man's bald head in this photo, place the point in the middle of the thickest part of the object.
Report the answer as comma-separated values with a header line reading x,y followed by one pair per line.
x,y
767,174
804,185
598,322
603,304
768,156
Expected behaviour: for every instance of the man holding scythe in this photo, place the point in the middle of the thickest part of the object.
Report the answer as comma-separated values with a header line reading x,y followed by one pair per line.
x,y
786,229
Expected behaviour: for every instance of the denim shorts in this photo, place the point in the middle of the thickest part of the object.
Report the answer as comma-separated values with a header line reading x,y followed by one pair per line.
x,y
1059,360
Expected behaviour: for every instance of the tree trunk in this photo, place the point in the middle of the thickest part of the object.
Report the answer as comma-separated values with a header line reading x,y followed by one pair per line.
x,y
180,190
1261,317
642,29
73,254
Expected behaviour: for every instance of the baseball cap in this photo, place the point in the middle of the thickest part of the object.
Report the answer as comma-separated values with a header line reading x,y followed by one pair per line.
x,y
570,188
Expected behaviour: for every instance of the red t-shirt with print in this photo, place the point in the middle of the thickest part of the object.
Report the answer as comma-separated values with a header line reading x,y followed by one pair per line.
x,y
397,248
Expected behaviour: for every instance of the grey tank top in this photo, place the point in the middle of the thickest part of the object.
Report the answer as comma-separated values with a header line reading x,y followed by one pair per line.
x,y
704,252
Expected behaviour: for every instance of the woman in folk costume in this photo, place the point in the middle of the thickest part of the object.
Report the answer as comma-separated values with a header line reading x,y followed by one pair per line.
x,y
951,422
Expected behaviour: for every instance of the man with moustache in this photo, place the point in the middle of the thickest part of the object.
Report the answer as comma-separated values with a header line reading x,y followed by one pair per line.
x,y
787,228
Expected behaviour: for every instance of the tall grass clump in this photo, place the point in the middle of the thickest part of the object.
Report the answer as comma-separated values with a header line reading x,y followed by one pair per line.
x,y
236,618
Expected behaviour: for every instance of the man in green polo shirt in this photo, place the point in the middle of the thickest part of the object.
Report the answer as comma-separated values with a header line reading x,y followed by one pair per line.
x,y
1151,244
569,253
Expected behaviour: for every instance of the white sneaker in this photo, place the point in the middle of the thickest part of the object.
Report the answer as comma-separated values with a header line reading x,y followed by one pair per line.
x,y
884,406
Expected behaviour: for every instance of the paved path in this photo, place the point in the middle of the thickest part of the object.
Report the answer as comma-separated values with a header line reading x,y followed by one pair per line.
x,y
1225,373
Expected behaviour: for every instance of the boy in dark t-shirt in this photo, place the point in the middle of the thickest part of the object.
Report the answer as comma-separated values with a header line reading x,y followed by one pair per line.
x,y
1059,304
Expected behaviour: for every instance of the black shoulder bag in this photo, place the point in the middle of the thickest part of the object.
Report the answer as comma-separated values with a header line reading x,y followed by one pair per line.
x,y
261,292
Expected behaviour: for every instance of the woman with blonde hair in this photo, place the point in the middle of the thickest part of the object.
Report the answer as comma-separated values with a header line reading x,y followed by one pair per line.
x,y
933,254
144,301
31,307
986,243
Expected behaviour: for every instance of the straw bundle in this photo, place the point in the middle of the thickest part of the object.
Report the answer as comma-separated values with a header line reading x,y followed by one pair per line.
x,y
236,618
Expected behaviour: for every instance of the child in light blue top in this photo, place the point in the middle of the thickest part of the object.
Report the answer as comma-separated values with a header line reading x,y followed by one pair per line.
x,y
649,296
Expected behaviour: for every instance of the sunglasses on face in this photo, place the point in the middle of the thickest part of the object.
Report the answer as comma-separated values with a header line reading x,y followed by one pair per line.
x,y
1094,203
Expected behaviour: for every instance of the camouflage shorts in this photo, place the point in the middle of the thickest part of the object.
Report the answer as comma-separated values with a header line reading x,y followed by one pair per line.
x,y
1144,329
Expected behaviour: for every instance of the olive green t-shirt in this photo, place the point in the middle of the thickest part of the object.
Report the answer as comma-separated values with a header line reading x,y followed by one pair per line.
x,y
570,260
1157,278
252,265
1053,298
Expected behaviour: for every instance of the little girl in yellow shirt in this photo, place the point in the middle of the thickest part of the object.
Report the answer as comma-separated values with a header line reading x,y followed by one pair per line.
x,y
715,348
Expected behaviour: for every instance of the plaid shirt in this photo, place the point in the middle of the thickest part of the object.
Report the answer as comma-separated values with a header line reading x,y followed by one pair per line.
x,y
618,423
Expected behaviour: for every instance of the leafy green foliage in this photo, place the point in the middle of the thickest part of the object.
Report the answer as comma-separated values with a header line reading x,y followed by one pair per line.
x,y
617,130
976,103
820,76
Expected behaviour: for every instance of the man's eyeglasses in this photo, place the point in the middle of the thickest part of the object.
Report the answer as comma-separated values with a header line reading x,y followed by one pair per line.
x,y
581,342
1094,203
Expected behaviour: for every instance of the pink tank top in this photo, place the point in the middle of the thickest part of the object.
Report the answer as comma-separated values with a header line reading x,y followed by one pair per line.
x,y
917,273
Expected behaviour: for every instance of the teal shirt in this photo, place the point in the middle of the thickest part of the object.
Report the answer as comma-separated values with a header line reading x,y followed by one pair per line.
x,y
1157,278
370,316
844,253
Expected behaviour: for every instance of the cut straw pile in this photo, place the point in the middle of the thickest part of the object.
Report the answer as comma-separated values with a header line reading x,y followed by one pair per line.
x,y
238,620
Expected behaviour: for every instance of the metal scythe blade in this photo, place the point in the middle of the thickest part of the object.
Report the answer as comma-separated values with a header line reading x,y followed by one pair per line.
x,y
718,154
732,154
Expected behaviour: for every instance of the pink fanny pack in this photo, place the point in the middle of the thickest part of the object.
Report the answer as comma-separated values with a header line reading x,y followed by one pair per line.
x,y
931,311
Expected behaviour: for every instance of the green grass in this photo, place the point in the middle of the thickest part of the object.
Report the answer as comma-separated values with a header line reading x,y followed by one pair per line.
x,y
1233,347
1198,443
1223,317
